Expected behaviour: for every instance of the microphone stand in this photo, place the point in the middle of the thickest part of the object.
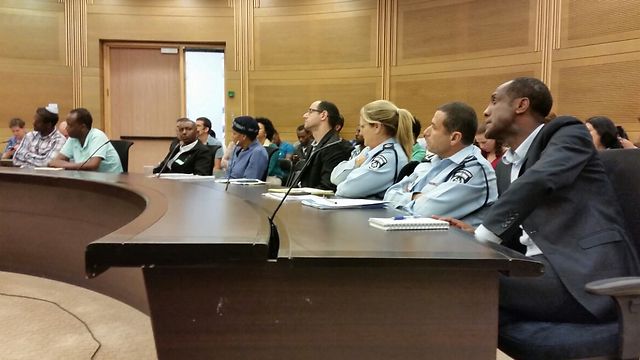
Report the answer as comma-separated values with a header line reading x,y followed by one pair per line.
x,y
274,236
90,156
231,165
166,161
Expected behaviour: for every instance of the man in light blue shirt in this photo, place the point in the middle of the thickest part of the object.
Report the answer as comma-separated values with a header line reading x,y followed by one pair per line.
x,y
456,179
87,148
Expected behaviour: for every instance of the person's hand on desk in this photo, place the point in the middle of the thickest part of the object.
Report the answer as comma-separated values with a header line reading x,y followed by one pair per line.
x,y
456,223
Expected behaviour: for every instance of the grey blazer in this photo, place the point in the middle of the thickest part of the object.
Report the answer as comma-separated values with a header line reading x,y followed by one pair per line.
x,y
565,202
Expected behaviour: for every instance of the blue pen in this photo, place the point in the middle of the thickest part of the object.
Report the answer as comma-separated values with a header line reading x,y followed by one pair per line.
x,y
401,217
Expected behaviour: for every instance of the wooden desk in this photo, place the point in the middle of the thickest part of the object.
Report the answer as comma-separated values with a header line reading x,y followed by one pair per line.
x,y
339,289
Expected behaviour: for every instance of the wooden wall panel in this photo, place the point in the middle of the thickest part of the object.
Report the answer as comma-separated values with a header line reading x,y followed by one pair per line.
x,y
316,41
424,93
284,102
586,22
35,36
446,30
607,86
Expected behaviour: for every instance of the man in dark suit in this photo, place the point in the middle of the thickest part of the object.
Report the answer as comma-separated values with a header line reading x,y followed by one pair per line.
x,y
556,200
188,155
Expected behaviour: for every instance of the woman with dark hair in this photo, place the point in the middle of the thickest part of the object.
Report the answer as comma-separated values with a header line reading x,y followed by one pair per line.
x,y
492,150
266,130
603,132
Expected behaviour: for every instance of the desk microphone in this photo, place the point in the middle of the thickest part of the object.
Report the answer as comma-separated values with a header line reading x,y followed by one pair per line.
x,y
172,153
90,156
233,155
274,237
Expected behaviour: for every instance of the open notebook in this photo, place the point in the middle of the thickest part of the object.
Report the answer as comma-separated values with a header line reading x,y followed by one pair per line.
x,y
410,223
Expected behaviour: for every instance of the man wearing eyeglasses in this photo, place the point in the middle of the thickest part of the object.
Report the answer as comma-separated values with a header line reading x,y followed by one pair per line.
x,y
328,149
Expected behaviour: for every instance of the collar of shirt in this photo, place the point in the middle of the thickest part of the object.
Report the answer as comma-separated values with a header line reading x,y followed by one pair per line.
x,y
456,158
516,157
185,148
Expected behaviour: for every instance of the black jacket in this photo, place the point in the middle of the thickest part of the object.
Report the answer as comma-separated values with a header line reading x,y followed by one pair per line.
x,y
565,202
197,161
329,152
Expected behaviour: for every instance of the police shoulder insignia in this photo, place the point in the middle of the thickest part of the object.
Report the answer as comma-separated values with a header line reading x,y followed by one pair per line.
x,y
462,176
377,162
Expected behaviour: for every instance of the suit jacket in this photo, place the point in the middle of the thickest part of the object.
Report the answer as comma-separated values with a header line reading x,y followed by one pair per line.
x,y
331,150
565,202
197,161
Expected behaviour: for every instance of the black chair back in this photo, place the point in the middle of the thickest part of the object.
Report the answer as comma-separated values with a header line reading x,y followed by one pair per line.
x,y
623,168
122,148
271,150
407,170
285,165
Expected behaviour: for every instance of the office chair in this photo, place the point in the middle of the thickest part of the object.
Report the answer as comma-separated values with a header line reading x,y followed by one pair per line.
x,y
285,165
407,170
271,150
122,148
614,340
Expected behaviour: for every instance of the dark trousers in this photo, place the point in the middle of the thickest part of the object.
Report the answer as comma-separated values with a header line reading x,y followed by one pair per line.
x,y
542,298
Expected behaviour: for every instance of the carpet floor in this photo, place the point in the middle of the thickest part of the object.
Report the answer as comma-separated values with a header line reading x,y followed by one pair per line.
x,y
46,319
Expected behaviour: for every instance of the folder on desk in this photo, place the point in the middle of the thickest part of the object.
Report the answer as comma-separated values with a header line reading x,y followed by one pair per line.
x,y
330,204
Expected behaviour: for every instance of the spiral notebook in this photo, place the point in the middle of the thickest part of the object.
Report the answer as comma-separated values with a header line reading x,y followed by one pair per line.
x,y
411,223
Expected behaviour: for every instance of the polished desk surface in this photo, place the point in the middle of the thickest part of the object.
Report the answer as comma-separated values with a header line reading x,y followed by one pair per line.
x,y
339,288
182,219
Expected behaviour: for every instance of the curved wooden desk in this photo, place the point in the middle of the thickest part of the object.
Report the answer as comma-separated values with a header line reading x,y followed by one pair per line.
x,y
339,289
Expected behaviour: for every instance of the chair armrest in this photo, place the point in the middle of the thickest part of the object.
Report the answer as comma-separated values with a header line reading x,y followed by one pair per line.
x,y
626,293
620,286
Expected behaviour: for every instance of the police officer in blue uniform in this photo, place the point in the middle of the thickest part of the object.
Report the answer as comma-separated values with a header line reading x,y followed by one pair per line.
x,y
455,179
387,133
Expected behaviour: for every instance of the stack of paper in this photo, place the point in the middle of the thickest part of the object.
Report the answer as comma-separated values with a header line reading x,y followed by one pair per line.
x,y
408,223
302,191
327,204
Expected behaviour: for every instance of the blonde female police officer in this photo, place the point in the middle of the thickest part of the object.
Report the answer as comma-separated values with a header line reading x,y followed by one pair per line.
x,y
388,137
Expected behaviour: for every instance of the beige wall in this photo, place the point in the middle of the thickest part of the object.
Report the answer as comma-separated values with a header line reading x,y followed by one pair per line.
x,y
283,54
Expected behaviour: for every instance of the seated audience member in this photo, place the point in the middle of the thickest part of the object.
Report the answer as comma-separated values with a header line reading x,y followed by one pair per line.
x,y
266,131
188,155
302,151
41,145
623,137
207,136
17,129
327,149
249,159
492,150
62,127
87,148
357,143
603,132
418,152
457,179
285,150
548,203
387,133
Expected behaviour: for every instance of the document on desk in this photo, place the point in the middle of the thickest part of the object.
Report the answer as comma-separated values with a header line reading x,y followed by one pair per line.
x,y
184,177
242,181
46,168
301,191
408,223
330,204
279,196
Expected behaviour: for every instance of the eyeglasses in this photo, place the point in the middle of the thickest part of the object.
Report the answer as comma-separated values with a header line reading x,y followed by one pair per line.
x,y
312,110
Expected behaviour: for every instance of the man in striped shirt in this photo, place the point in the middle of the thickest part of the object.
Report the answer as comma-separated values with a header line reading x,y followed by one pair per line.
x,y
41,145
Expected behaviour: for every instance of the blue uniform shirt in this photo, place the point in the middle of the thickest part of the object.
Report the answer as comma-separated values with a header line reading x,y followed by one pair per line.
x,y
456,186
374,176
249,163
95,139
